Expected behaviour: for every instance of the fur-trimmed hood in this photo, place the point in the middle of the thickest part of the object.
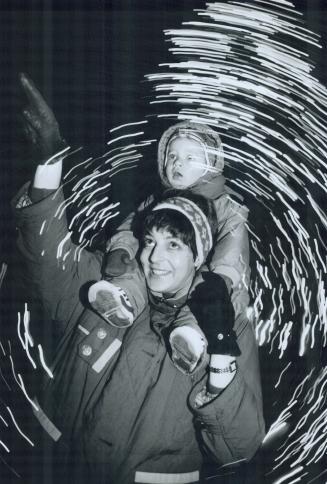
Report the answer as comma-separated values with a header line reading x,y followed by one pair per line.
x,y
212,183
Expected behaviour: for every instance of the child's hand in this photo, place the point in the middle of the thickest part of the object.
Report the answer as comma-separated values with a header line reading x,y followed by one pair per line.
x,y
117,263
211,305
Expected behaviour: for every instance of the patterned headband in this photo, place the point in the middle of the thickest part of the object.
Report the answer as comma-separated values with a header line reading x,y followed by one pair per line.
x,y
200,224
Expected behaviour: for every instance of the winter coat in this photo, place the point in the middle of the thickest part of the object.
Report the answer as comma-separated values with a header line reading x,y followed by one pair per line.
x,y
116,404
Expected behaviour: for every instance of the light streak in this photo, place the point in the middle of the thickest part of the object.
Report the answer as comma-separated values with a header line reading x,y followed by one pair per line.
x,y
273,341
13,369
18,330
4,446
282,372
83,180
28,340
3,420
26,319
28,352
75,167
57,155
2,348
140,133
127,125
319,256
22,386
109,217
273,254
319,475
3,271
90,226
95,204
313,331
125,160
124,169
114,160
84,209
298,479
273,431
62,243
66,203
284,338
6,383
45,366
299,388
42,227
18,428
97,190
9,467
79,249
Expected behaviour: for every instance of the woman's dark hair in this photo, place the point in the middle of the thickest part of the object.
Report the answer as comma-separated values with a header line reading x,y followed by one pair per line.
x,y
174,222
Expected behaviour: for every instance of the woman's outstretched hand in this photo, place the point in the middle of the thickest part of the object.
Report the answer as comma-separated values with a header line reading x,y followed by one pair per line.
x,y
39,124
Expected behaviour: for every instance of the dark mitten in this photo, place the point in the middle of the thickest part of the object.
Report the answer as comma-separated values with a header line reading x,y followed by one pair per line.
x,y
40,125
117,263
211,305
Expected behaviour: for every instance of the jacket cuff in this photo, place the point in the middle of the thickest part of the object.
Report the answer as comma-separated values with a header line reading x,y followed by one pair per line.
x,y
39,208
38,194
221,408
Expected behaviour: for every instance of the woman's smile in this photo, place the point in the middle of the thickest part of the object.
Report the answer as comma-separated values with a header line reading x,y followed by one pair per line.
x,y
159,272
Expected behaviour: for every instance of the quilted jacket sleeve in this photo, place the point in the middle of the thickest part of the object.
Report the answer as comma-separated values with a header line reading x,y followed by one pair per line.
x,y
230,256
232,424
231,252
53,266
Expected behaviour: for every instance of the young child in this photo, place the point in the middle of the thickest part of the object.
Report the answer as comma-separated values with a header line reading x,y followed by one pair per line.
x,y
190,156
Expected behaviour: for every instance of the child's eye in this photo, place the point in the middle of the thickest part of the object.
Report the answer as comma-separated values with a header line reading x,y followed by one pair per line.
x,y
190,157
171,156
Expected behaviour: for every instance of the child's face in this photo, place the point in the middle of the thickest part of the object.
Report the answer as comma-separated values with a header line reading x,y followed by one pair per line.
x,y
168,264
185,162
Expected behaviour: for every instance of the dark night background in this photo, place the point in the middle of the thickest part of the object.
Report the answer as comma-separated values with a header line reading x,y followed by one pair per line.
x,y
89,60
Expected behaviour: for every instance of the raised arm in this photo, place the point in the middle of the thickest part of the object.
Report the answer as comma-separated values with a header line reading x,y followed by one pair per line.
x,y
54,268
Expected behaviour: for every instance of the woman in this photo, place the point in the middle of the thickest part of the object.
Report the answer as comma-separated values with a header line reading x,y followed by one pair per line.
x,y
117,405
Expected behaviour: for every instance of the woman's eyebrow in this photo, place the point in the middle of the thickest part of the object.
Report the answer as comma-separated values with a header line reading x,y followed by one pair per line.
x,y
170,236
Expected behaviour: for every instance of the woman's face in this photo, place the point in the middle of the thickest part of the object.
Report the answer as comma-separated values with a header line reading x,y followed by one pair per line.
x,y
167,262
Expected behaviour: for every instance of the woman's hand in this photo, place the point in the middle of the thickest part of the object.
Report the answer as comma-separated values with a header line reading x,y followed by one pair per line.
x,y
40,125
